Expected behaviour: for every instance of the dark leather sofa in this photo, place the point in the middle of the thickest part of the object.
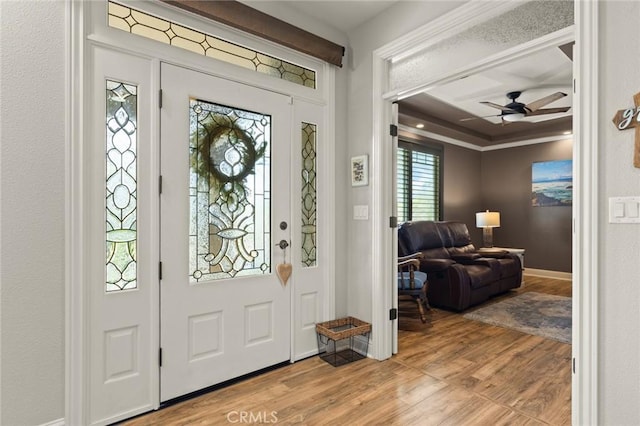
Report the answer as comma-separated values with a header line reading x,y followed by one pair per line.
x,y
459,277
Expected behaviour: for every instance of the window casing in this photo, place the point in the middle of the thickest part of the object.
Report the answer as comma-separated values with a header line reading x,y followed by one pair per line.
x,y
419,182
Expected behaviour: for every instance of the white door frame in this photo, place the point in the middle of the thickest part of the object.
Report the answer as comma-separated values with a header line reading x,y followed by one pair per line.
x,y
586,178
82,32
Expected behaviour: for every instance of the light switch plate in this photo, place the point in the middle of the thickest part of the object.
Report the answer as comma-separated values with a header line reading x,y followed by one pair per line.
x,y
624,210
361,212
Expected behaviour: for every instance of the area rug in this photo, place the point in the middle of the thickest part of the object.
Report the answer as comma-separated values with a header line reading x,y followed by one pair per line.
x,y
540,314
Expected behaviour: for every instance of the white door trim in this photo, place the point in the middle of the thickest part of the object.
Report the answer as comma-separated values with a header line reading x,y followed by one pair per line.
x,y
585,210
81,30
584,400
75,340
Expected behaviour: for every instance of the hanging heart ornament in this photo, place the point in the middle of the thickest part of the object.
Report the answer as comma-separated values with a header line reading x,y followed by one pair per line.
x,y
284,272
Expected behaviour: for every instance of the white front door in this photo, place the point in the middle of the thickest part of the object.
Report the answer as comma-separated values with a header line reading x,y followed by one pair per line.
x,y
225,166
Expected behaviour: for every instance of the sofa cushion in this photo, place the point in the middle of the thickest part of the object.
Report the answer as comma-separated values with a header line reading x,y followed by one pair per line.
x,y
456,238
470,248
419,236
454,234
435,253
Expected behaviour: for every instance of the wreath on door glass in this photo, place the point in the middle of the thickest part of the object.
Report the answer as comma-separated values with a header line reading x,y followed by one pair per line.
x,y
225,152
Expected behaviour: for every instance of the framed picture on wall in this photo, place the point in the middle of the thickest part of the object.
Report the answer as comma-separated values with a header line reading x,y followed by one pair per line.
x,y
552,183
360,170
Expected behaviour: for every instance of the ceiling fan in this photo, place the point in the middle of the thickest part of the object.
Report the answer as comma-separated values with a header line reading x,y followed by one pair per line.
x,y
516,111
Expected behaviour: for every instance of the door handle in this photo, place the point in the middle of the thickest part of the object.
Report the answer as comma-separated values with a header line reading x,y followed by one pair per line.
x,y
283,244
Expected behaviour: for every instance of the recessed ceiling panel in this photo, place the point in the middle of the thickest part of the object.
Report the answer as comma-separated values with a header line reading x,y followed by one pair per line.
x,y
536,76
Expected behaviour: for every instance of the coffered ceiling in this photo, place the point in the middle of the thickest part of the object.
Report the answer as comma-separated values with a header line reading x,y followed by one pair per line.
x,y
442,108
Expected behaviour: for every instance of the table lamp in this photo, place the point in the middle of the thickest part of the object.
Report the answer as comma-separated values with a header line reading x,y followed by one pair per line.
x,y
487,221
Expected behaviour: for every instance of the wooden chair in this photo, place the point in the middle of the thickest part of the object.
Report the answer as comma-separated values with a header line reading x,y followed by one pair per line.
x,y
413,283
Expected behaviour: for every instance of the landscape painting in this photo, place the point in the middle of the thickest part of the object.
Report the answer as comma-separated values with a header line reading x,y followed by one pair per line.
x,y
552,183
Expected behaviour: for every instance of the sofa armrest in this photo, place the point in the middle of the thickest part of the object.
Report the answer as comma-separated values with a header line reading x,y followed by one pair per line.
x,y
495,254
435,265
465,258
492,263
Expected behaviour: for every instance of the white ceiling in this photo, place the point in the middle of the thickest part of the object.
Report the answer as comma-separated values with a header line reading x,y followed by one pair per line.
x,y
342,15
536,75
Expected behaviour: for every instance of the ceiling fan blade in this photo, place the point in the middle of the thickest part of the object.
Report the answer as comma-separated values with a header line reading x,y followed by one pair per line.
x,y
478,118
500,107
548,111
536,105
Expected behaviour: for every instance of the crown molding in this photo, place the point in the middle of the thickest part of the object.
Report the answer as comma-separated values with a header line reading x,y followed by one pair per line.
x,y
463,144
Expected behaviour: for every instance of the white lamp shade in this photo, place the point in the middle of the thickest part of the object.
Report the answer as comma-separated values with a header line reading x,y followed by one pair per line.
x,y
488,219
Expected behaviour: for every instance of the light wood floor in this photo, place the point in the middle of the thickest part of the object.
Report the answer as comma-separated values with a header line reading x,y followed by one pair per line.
x,y
451,371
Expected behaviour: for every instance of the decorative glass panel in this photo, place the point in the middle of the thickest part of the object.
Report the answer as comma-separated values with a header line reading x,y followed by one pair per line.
x,y
149,26
308,194
229,192
121,186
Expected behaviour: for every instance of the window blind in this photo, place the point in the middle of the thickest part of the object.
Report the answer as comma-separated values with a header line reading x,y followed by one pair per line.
x,y
419,183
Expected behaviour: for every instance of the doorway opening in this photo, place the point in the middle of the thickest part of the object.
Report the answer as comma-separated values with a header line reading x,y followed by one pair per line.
x,y
584,266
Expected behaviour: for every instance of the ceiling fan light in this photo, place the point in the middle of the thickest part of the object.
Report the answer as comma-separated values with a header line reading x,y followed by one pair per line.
x,y
516,116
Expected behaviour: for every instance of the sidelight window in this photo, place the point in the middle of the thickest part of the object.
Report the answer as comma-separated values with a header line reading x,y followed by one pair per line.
x,y
309,194
121,186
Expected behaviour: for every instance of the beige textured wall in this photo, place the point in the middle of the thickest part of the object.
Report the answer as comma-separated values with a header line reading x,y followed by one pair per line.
x,y
618,294
32,105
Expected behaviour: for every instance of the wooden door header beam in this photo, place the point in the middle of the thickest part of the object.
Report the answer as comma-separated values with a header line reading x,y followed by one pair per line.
x,y
245,18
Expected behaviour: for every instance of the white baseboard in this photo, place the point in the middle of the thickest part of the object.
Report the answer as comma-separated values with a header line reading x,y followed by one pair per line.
x,y
548,274
58,422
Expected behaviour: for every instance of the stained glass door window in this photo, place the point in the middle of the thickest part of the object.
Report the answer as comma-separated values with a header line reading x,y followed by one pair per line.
x,y
308,202
121,186
229,192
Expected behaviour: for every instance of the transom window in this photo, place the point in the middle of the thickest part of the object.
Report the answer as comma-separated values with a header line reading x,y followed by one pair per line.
x,y
146,25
